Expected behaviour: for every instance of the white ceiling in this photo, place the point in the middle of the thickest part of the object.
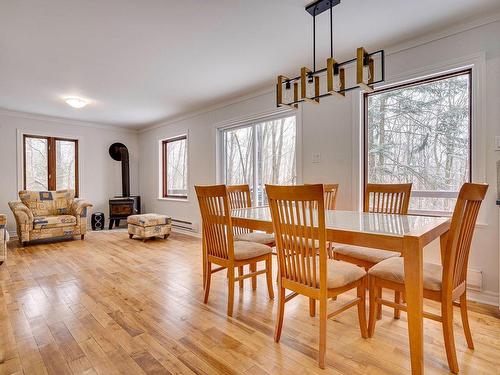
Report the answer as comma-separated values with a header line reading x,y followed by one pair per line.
x,y
141,62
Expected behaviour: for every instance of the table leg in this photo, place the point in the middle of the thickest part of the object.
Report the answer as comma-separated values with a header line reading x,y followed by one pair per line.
x,y
413,269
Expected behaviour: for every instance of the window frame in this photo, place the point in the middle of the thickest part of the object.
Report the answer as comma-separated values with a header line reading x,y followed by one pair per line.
x,y
51,161
419,81
252,121
164,161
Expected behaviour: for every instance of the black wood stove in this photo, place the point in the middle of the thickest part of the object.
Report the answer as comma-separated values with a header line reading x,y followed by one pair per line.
x,y
121,207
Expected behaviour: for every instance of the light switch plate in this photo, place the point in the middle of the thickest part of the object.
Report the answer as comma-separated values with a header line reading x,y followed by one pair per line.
x,y
316,158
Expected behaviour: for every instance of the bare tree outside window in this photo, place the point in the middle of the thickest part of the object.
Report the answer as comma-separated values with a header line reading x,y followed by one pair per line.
x,y
420,133
239,153
261,153
175,182
65,164
36,164
50,163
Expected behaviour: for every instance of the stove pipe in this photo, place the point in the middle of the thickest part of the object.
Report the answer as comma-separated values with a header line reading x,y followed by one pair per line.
x,y
119,152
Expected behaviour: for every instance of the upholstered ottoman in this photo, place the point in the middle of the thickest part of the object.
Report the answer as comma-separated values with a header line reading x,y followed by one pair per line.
x,y
149,225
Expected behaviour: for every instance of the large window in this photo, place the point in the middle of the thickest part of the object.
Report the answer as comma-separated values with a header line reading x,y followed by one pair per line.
x,y
174,171
50,163
260,153
421,133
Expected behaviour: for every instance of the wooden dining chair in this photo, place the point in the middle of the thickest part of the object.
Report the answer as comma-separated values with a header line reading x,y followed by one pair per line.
x,y
330,195
220,247
446,283
305,268
240,197
379,198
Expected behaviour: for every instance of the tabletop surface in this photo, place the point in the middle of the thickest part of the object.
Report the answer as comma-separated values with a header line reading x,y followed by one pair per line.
x,y
361,222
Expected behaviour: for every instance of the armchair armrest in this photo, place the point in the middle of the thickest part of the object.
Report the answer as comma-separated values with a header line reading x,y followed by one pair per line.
x,y
79,208
22,213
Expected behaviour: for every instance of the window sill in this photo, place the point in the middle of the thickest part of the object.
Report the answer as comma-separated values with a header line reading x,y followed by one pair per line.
x,y
173,199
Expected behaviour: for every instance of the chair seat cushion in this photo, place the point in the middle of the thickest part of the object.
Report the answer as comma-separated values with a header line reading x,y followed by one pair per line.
x,y
259,237
364,253
54,221
148,220
248,250
393,270
340,273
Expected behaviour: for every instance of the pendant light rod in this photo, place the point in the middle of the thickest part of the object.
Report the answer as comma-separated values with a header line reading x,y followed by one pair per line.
x,y
314,42
331,32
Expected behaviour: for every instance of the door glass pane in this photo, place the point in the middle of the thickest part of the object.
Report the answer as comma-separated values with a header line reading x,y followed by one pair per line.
x,y
177,168
65,164
276,154
37,167
239,156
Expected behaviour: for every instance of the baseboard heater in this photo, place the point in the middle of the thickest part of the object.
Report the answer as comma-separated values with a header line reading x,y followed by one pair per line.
x,y
183,225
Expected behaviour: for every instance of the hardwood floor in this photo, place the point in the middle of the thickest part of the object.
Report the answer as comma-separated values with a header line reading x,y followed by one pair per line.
x,y
111,305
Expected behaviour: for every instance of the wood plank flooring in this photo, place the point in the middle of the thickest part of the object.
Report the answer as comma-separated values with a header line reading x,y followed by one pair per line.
x,y
111,305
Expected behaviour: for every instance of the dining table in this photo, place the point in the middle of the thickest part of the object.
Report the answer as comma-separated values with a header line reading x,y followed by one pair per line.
x,y
407,234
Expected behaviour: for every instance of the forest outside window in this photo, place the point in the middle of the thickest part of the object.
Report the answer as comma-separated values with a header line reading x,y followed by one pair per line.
x,y
174,171
50,163
260,153
421,133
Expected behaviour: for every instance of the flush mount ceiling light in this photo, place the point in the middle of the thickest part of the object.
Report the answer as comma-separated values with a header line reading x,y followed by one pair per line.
x,y
340,77
76,102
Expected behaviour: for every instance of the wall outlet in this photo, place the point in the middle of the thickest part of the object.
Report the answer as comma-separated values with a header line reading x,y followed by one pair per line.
x,y
316,157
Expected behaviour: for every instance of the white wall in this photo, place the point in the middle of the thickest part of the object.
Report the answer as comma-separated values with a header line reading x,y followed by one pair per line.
x,y
100,176
331,128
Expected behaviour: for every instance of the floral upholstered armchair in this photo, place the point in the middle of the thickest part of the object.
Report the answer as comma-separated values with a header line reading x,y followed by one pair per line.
x,y
4,238
49,214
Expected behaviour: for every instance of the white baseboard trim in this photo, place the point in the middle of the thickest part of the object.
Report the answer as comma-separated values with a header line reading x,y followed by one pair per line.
x,y
186,232
487,297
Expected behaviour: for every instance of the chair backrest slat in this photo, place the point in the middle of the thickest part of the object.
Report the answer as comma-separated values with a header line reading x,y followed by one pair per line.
x,y
463,222
387,198
239,197
331,191
216,220
298,214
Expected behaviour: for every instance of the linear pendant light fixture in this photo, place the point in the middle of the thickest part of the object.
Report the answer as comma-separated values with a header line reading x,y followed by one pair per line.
x,y
340,77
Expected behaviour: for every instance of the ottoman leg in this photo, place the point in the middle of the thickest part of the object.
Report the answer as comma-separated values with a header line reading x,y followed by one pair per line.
x,y
130,235
166,236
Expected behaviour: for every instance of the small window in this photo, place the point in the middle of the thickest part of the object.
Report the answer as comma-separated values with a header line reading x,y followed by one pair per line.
x,y
174,171
420,132
50,163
